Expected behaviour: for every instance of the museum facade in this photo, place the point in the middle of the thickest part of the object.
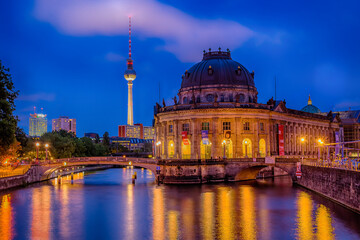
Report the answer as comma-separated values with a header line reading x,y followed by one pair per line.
x,y
217,115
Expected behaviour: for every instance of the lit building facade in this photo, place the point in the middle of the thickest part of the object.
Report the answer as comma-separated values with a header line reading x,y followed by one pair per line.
x,y
132,144
136,131
37,124
149,132
217,115
64,123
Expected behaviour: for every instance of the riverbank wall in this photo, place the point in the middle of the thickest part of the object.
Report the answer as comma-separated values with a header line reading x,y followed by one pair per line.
x,y
36,173
339,185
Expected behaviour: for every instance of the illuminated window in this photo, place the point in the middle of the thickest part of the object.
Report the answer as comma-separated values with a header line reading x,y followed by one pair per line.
x,y
170,128
186,127
226,126
246,126
205,126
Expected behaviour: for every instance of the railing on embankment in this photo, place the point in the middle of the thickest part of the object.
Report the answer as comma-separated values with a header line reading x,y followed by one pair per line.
x,y
345,164
12,172
99,160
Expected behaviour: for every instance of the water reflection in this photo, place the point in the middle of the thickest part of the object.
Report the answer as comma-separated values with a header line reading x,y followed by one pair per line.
x,y
208,215
173,225
248,222
304,216
85,208
225,213
325,229
6,218
158,214
187,209
130,218
41,213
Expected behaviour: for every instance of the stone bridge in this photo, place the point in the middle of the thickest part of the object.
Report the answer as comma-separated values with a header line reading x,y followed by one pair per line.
x,y
180,171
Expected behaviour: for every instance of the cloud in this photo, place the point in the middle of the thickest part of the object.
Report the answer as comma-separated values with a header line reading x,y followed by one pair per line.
x,y
37,97
113,57
182,34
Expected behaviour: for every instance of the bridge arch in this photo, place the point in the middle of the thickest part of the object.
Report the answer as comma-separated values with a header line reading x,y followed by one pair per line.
x,y
250,172
59,164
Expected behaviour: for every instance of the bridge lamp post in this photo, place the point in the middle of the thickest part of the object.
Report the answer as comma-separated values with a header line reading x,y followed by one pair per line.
x,y
302,141
46,151
246,148
224,143
37,150
320,144
158,148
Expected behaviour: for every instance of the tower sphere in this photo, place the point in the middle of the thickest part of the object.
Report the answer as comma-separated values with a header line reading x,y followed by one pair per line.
x,y
130,74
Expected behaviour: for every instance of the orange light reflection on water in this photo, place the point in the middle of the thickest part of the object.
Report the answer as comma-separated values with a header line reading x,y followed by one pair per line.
x,y
325,229
207,215
158,214
225,213
41,213
248,217
173,225
6,218
304,216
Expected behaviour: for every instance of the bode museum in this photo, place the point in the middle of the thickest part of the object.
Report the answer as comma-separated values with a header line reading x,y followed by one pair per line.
x,y
217,115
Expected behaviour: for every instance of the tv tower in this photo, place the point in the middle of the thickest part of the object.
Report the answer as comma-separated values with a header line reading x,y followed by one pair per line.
x,y
130,76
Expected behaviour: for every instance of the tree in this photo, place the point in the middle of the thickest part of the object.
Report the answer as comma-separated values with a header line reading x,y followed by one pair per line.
x,y
97,139
8,122
106,140
22,139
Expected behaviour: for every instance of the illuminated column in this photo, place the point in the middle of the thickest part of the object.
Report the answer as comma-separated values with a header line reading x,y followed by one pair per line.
x,y
130,119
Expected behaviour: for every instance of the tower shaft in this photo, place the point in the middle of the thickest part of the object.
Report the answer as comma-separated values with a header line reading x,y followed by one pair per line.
x,y
130,119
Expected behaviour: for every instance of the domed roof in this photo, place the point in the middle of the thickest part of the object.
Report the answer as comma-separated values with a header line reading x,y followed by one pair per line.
x,y
310,108
217,68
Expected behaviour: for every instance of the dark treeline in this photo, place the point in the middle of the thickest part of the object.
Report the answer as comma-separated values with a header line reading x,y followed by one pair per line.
x,y
62,144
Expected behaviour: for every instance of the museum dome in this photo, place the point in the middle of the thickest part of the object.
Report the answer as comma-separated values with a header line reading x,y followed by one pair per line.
x,y
217,68
310,108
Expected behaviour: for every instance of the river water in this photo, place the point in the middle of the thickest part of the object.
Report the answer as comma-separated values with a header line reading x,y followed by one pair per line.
x,y
105,205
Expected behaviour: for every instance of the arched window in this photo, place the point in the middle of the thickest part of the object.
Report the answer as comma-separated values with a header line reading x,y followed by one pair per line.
x,y
185,100
171,149
205,150
185,149
262,148
247,147
227,148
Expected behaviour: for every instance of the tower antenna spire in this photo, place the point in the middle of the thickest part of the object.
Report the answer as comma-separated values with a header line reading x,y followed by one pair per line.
x,y
129,37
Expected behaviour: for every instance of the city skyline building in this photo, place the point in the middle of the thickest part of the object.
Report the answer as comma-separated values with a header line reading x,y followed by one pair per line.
x,y
37,124
138,130
64,123
130,76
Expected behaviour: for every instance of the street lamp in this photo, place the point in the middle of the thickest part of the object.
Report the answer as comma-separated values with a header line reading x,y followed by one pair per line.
x,y
46,151
302,141
224,143
246,144
37,151
320,143
158,147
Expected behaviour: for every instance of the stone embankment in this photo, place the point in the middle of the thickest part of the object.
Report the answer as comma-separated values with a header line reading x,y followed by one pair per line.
x,y
340,185
36,173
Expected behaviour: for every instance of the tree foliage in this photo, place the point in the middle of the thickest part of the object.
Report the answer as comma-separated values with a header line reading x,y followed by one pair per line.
x,y
8,122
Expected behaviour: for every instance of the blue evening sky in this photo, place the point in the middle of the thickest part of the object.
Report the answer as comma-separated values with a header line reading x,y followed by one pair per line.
x,y
69,57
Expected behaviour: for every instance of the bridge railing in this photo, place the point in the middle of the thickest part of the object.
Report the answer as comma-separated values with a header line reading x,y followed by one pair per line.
x,y
101,159
346,164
